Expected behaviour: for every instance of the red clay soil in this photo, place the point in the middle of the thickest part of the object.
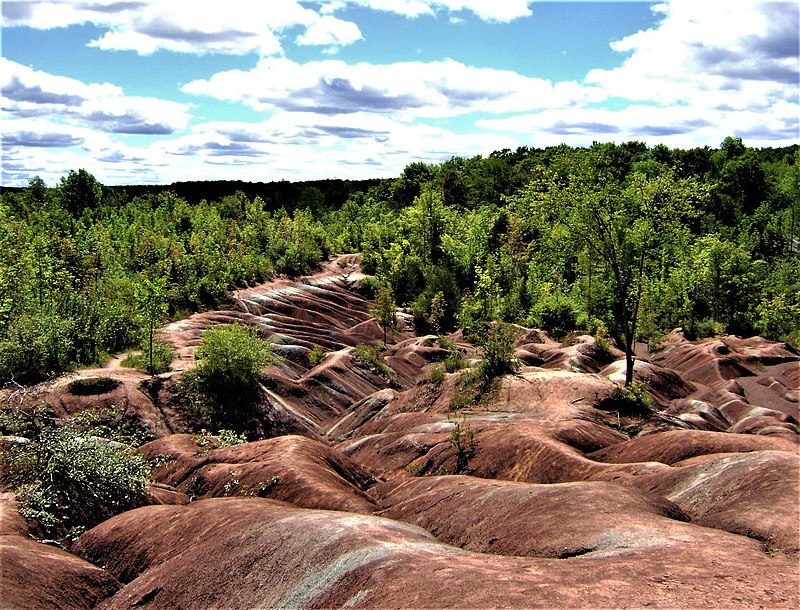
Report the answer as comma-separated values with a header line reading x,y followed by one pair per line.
x,y
368,497
676,445
245,553
34,575
298,470
754,494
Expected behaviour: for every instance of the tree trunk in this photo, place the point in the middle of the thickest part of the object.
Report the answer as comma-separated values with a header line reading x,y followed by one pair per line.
x,y
629,361
150,370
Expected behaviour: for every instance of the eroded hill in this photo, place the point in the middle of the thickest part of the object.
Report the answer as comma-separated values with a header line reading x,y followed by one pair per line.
x,y
372,492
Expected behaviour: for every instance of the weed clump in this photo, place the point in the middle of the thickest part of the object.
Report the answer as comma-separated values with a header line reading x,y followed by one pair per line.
x,y
629,401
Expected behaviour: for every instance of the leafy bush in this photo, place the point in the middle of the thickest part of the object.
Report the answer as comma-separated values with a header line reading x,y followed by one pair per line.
x,y
462,439
372,357
69,478
455,358
223,438
557,315
225,386
498,352
315,355
631,400
163,353
436,375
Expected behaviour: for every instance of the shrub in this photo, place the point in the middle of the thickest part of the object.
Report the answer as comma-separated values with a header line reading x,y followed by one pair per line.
x,y
163,354
498,352
436,375
372,357
455,358
315,355
557,315
631,400
225,386
69,478
223,438
462,439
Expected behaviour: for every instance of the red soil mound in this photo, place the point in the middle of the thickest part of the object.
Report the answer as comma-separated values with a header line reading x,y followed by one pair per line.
x,y
34,575
295,469
752,494
676,445
521,519
287,557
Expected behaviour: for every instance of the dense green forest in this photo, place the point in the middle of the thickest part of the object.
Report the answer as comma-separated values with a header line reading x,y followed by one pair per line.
x,y
627,240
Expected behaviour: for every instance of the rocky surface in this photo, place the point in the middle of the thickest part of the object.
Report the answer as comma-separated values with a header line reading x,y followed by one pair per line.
x,y
374,493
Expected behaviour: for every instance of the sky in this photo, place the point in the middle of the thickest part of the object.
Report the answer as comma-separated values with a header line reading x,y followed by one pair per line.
x,y
153,92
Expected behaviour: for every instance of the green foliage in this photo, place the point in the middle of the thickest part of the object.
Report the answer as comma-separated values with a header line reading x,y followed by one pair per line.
x,y
87,271
631,400
72,477
498,353
152,301
225,385
372,358
386,311
462,439
154,362
223,438
639,239
315,355
556,314
455,360
437,374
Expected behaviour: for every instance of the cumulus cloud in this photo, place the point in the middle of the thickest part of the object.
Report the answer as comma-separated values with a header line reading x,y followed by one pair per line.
x,y
25,92
674,125
331,32
235,27
709,53
704,70
407,89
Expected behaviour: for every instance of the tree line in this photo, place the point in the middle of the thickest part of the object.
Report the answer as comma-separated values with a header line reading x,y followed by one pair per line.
x,y
623,240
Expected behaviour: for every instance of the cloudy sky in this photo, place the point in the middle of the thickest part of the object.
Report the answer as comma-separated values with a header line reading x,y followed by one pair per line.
x,y
143,91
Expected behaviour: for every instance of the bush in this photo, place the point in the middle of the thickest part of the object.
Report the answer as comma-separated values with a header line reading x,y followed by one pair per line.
x,y
631,400
225,386
498,352
315,355
455,360
372,357
69,478
223,438
557,315
436,375
163,354
462,439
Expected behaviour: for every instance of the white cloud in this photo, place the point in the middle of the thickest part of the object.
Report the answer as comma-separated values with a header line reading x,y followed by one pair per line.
x,y
710,53
350,146
236,27
706,70
405,89
487,10
330,31
31,93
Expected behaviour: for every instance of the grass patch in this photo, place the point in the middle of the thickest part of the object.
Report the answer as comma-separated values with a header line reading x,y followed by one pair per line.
x,y
372,358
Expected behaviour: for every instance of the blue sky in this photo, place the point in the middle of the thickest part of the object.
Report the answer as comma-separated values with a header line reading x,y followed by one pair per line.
x,y
144,91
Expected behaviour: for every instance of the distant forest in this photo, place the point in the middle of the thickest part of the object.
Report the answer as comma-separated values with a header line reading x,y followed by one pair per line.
x,y
625,241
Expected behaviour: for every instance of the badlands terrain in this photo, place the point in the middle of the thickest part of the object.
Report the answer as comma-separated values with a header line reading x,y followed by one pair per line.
x,y
368,494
